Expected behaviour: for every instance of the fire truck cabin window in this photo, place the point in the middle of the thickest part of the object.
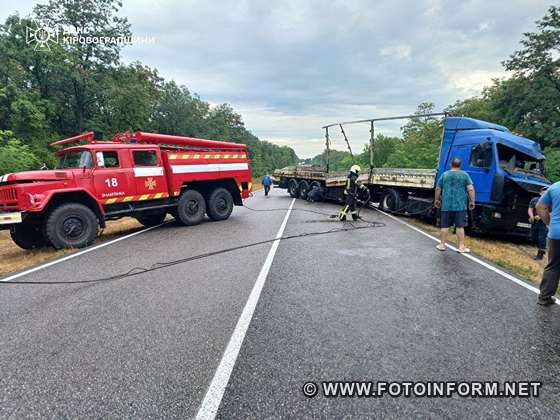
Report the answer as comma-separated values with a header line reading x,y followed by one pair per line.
x,y
107,159
145,158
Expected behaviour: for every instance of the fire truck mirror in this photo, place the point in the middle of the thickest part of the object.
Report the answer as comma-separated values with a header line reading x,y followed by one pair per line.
x,y
100,159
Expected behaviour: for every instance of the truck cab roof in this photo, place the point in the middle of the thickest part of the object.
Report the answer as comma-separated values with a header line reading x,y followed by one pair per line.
x,y
501,134
465,123
104,145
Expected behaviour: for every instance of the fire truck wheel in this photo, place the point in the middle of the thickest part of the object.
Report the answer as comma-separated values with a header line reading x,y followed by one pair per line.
x,y
293,188
27,236
191,208
71,225
220,204
303,189
150,220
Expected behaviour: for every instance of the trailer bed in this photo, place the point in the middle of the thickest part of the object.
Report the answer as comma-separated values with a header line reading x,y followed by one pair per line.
x,y
387,177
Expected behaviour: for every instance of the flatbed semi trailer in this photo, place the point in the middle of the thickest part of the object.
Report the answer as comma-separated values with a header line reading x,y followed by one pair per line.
x,y
507,171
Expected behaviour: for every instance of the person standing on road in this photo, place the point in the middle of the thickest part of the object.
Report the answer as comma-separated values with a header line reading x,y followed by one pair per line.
x,y
548,208
266,182
452,190
351,194
538,228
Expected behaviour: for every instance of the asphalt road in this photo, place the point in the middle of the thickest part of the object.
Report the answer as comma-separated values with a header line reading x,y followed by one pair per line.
x,y
371,304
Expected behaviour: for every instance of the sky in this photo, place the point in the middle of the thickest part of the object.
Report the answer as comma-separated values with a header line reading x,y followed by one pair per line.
x,y
290,67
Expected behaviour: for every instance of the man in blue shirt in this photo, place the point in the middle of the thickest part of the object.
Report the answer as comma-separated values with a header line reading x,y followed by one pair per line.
x,y
548,209
452,190
538,228
267,182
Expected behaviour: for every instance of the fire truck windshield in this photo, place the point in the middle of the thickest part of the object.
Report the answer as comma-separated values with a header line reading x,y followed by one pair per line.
x,y
74,160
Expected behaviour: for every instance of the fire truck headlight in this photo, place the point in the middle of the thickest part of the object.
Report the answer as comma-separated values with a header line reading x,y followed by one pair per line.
x,y
36,199
497,215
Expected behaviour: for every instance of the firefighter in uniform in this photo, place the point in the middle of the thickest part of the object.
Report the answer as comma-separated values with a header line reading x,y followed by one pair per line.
x,y
351,194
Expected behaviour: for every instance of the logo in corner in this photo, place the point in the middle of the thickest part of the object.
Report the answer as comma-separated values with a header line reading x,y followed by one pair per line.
x,y
41,36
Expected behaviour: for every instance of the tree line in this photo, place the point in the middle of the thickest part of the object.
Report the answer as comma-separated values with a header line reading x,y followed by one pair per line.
x,y
52,90
528,103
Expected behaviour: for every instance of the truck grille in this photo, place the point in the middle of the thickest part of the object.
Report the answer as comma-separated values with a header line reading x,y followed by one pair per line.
x,y
8,197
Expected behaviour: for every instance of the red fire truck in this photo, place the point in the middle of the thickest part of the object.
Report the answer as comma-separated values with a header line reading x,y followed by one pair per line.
x,y
143,175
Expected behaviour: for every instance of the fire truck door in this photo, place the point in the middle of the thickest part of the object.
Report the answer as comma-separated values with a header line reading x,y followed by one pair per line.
x,y
111,179
149,177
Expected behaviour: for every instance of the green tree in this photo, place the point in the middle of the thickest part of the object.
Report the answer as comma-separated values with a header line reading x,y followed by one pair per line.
x,y
529,101
479,107
421,139
74,87
552,163
127,100
86,62
15,155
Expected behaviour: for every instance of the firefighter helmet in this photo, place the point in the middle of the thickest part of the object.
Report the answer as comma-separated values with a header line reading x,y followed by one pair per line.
x,y
355,169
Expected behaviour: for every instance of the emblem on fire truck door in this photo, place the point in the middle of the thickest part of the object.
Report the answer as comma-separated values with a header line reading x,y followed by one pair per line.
x,y
150,183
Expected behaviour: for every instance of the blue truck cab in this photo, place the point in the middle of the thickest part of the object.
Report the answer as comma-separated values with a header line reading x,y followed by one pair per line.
x,y
507,170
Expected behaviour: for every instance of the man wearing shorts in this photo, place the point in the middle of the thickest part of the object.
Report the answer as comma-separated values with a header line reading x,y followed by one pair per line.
x,y
453,189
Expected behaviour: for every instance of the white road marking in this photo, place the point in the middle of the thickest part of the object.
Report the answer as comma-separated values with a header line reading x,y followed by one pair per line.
x,y
77,254
215,392
469,256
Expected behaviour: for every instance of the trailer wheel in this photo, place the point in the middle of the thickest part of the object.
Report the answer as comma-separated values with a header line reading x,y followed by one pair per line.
x,y
191,208
220,204
390,201
152,219
303,189
71,225
27,236
293,188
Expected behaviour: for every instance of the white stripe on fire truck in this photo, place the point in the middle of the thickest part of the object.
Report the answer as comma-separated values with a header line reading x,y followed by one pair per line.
x,y
157,171
4,178
211,167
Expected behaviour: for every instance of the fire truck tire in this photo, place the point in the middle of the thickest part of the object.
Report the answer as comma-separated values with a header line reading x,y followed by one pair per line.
x,y
191,208
303,189
152,219
293,188
71,225
220,204
27,236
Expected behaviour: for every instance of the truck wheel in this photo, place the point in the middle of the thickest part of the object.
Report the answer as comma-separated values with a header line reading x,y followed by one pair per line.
x,y
220,204
27,236
293,188
390,201
191,208
303,189
71,225
150,220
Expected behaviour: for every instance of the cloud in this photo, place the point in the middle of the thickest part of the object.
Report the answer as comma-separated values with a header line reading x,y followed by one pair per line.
x,y
290,67
401,51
